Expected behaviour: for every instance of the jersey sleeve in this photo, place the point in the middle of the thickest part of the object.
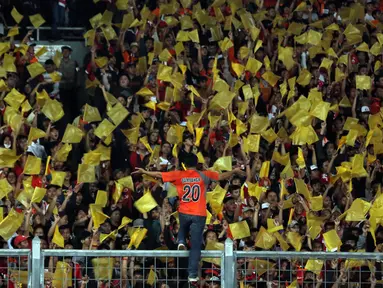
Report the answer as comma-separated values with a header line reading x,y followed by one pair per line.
x,y
170,176
211,175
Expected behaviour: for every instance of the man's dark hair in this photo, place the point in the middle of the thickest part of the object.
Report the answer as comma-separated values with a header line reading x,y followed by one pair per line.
x,y
188,159
49,62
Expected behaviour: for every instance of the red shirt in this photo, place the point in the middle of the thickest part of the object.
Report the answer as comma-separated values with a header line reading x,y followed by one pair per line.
x,y
191,186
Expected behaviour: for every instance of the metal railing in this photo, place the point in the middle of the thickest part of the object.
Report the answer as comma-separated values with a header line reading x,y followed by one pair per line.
x,y
61,268
47,28
15,267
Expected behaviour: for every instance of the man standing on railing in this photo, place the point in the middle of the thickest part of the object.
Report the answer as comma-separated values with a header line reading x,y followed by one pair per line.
x,y
191,186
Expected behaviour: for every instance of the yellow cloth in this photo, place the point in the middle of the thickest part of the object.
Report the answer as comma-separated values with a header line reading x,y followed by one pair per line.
x,y
101,198
14,98
86,173
10,224
97,215
37,20
103,268
223,164
145,203
53,110
314,265
5,188
240,230
104,129
58,178
264,239
72,134
32,165
332,240
58,239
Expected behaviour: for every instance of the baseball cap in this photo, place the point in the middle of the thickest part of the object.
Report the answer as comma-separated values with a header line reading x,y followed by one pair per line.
x,y
313,167
138,223
228,197
19,239
134,44
265,205
365,109
66,48
247,208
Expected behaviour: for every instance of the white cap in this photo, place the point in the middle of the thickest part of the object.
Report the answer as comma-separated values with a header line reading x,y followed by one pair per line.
x,y
265,205
313,167
183,123
365,109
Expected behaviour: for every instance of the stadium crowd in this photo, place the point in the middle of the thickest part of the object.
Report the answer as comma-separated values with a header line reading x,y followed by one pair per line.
x,y
285,94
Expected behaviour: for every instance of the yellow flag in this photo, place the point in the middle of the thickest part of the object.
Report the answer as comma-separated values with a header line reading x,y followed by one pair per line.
x,y
315,266
363,82
72,134
118,113
269,135
58,178
304,77
92,158
264,239
91,114
58,239
32,165
262,266
97,215
101,198
332,240
271,78
63,271
277,157
63,152
314,38
132,134
363,47
151,277
13,31
145,203
165,55
301,188
137,237
14,98
316,203
5,187
258,124
253,65
103,268
358,210
117,192
223,163
104,129
238,68
295,239
193,36
11,224
37,20
16,15
86,173
240,230
264,173
53,110
38,194
35,69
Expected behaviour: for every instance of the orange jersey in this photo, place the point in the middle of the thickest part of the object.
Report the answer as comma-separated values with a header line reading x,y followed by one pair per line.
x,y
191,187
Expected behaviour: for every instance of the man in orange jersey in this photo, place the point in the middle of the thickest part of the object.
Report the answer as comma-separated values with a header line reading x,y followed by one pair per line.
x,y
191,186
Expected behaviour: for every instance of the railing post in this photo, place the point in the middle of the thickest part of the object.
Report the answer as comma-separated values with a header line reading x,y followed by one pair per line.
x,y
229,263
36,263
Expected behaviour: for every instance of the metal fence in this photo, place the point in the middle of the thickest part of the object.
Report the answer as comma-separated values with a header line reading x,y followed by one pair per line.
x,y
15,267
168,269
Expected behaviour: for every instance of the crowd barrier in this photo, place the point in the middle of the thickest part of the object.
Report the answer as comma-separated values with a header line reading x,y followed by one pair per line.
x,y
61,268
